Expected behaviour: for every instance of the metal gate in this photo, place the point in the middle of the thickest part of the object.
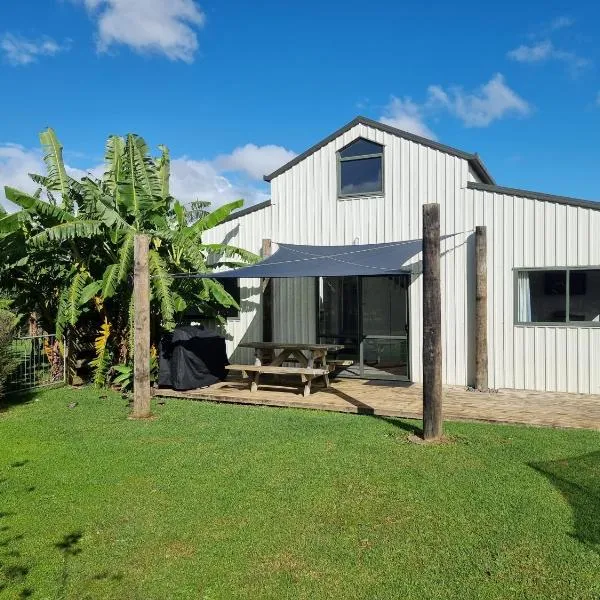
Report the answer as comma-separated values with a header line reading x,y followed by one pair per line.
x,y
40,362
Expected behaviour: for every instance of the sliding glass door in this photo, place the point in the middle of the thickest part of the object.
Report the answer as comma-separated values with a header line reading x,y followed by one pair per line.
x,y
369,316
384,321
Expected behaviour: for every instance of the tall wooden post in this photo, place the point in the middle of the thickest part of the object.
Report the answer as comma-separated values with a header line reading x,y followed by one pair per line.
x,y
267,297
481,342
141,359
432,324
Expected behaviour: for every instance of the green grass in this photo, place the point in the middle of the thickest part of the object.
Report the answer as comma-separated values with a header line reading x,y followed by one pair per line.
x,y
221,501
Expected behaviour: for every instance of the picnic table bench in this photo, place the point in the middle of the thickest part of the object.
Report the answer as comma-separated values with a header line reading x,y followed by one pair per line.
x,y
312,359
253,372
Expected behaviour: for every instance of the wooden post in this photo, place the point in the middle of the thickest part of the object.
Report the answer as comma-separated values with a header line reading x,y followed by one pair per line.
x,y
481,344
267,298
141,359
432,324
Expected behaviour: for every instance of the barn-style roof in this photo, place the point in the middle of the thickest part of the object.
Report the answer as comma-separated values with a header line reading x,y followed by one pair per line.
x,y
473,159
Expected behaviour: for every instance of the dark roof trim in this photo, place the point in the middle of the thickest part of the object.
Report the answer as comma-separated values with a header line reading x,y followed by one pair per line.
x,y
497,189
247,211
473,159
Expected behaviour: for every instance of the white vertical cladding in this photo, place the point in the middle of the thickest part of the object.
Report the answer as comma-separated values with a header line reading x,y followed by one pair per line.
x,y
306,209
526,232
246,232
523,232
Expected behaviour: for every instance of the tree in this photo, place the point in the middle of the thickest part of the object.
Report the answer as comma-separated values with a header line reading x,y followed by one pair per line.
x,y
70,248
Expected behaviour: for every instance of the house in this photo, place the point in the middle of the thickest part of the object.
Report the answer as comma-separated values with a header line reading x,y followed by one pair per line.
x,y
366,184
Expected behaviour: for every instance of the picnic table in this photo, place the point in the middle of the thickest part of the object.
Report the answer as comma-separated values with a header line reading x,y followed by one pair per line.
x,y
270,356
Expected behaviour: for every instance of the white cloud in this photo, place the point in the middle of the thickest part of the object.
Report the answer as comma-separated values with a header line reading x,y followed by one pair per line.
x,y
405,114
544,51
255,161
535,53
15,164
200,180
165,27
190,179
19,51
490,102
561,23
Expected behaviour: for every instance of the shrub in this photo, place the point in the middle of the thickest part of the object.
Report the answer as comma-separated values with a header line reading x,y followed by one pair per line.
x,y
8,360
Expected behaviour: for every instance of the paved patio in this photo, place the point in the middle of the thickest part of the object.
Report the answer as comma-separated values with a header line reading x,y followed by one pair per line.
x,y
405,400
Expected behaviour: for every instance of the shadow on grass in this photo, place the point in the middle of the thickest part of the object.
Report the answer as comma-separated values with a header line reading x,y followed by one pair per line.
x,y
578,479
11,399
68,547
13,571
396,422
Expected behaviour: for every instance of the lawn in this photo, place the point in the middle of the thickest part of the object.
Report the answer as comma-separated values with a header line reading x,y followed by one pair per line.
x,y
223,502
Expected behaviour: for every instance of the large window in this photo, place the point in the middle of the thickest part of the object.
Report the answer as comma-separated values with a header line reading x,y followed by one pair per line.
x,y
558,296
360,170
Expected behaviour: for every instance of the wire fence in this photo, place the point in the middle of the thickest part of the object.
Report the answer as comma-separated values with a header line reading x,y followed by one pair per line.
x,y
40,362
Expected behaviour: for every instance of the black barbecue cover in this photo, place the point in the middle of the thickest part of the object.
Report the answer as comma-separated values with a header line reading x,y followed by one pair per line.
x,y
192,357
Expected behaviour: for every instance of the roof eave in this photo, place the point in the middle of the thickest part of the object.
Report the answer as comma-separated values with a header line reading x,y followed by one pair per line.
x,y
473,159
497,189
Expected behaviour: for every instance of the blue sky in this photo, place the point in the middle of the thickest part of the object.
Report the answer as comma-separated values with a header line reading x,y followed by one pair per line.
x,y
235,88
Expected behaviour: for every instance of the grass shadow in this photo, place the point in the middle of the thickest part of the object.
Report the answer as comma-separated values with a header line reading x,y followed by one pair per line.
x,y
68,547
10,399
578,480
397,422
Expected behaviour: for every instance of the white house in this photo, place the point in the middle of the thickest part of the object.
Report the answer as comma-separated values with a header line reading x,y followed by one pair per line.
x,y
366,183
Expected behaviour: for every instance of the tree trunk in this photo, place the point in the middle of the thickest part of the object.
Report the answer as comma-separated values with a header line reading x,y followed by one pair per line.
x,y
141,359
481,343
432,324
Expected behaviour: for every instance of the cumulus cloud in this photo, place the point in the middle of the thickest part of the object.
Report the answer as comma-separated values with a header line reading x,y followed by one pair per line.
x,y
407,115
190,179
489,102
19,51
15,164
255,161
545,51
165,27
200,180
535,53
492,101
561,23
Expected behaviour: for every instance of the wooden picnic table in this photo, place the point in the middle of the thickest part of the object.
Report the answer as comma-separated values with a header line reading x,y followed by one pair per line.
x,y
309,356
305,354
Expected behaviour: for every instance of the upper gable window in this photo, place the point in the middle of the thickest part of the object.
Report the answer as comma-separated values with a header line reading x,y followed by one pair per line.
x,y
360,169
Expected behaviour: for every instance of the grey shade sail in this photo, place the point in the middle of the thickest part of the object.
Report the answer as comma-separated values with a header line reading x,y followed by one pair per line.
x,y
328,261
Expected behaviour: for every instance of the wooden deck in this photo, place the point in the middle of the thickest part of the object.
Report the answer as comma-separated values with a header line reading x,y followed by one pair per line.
x,y
405,400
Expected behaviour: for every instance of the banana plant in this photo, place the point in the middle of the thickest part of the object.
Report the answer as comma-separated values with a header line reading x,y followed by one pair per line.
x,y
81,232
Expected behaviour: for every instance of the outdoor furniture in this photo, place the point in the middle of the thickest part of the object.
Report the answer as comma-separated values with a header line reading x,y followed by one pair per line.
x,y
306,374
312,359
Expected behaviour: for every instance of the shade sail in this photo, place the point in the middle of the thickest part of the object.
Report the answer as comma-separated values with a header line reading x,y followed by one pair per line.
x,y
329,261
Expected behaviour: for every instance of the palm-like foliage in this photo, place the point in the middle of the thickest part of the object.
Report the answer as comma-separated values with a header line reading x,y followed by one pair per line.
x,y
70,247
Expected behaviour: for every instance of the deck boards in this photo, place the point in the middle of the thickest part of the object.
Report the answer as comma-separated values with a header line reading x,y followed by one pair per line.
x,y
395,399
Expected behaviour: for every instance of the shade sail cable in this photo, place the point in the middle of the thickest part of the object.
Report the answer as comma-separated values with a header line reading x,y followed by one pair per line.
x,y
292,260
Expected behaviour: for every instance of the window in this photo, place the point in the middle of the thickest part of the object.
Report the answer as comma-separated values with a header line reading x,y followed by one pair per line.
x,y
232,287
360,170
558,296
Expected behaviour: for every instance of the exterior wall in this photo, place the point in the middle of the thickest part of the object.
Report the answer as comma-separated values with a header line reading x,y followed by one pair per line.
x,y
522,233
305,209
246,232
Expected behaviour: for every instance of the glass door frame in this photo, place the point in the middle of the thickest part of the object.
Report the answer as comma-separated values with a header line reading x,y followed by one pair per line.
x,y
407,277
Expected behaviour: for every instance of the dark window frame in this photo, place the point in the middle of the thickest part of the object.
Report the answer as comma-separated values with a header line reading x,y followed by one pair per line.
x,y
341,159
231,312
567,322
